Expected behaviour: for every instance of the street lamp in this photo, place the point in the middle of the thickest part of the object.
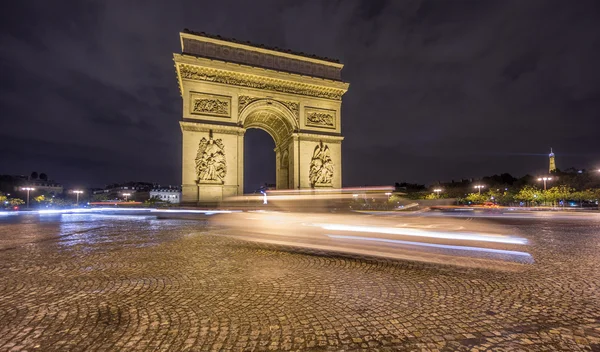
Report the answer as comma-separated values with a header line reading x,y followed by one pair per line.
x,y
479,187
545,179
77,192
437,191
126,195
27,189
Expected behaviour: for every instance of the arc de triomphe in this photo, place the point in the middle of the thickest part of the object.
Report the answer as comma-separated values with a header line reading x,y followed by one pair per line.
x,y
228,87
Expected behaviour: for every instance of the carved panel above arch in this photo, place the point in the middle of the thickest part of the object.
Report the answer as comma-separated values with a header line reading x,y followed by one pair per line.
x,y
321,118
210,104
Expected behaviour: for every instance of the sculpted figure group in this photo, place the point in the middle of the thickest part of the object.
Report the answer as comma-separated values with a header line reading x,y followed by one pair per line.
x,y
321,166
210,160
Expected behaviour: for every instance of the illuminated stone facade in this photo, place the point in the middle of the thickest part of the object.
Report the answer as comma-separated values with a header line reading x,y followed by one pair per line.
x,y
228,87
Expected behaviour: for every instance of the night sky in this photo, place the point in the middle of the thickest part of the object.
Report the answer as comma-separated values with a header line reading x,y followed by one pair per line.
x,y
439,90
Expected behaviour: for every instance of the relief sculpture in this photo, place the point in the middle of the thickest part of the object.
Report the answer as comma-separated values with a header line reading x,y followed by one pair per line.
x,y
321,166
320,119
210,160
211,106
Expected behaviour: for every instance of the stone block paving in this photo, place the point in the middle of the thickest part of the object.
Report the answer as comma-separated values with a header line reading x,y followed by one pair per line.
x,y
108,284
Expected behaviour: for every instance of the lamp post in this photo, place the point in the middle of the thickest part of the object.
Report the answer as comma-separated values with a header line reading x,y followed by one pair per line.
x,y
27,189
545,179
479,187
77,192
126,195
437,191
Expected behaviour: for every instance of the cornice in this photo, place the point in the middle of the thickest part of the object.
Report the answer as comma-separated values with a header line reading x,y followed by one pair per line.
x,y
192,68
314,137
204,127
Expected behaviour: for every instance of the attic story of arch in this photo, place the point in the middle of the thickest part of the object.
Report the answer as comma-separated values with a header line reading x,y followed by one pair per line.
x,y
228,87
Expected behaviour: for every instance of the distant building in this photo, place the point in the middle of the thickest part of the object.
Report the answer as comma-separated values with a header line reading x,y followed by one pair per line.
x,y
138,191
552,167
45,186
14,183
170,195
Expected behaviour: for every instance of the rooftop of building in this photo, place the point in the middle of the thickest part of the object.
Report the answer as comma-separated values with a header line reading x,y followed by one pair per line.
x,y
165,190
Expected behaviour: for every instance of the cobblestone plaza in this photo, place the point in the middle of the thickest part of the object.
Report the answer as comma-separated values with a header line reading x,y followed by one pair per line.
x,y
108,283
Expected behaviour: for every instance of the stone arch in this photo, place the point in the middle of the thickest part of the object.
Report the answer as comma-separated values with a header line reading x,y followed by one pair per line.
x,y
296,99
279,122
272,116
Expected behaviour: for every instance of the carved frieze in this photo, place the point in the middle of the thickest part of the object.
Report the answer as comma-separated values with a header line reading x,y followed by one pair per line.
x,y
244,80
210,160
320,118
209,104
321,167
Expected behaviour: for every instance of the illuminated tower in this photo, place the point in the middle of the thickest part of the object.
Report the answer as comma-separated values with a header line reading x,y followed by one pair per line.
x,y
552,162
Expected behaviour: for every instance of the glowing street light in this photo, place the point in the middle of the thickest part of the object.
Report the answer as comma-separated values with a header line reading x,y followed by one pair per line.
x,y
126,195
479,187
437,191
27,189
545,179
77,192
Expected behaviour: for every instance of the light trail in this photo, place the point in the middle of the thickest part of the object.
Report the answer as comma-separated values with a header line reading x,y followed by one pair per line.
x,y
421,233
434,245
100,210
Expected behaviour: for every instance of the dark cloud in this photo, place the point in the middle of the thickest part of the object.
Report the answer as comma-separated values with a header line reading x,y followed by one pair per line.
x,y
439,89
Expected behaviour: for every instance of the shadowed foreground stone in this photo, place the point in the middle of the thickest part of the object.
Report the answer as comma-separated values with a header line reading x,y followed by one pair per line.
x,y
106,284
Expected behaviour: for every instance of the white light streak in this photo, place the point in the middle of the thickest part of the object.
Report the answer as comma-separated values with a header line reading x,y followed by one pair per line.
x,y
422,233
435,245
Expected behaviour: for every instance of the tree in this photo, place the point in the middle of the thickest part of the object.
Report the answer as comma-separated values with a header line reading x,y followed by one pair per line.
x,y
16,201
476,198
41,199
528,194
556,194
34,175
431,196
43,177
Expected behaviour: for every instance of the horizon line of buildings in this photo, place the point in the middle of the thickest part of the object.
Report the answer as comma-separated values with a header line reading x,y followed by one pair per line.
x,y
132,190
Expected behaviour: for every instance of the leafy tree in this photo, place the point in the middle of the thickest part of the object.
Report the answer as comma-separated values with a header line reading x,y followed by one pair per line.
x,y
476,198
501,197
16,201
528,194
43,177
40,199
556,194
431,196
34,175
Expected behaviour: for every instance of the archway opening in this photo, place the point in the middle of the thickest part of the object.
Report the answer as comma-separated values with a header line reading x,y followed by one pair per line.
x,y
259,160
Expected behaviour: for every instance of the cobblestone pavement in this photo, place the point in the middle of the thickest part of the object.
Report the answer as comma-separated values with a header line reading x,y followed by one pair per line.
x,y
99,283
